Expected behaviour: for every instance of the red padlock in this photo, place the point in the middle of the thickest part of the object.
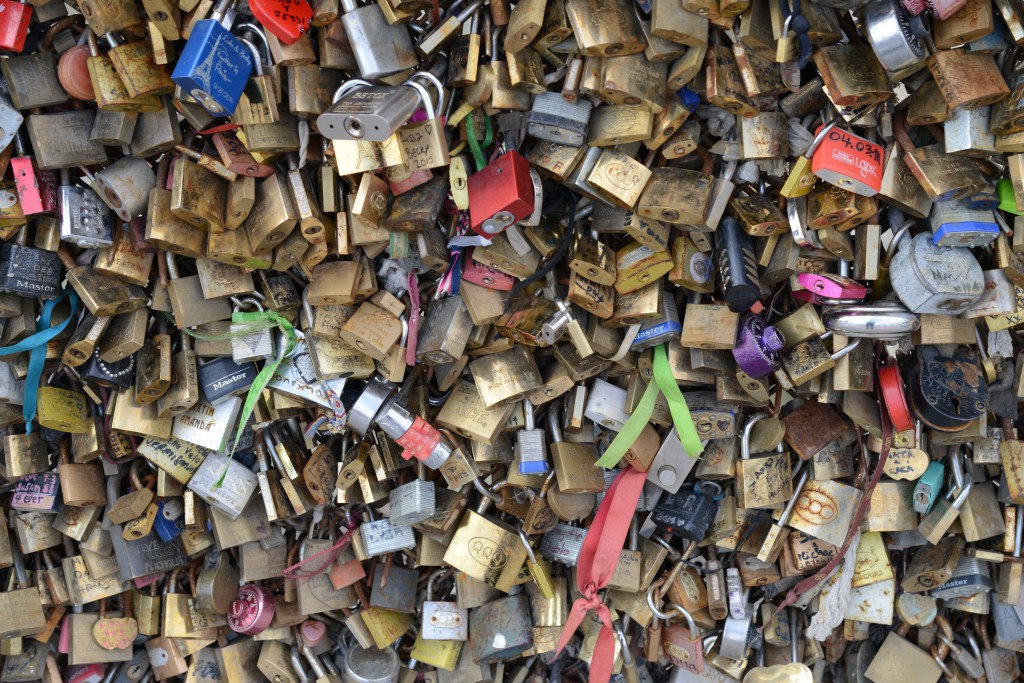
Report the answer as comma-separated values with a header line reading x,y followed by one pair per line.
x,y
286,19
850,162
14,20
500,194
486,276
894,398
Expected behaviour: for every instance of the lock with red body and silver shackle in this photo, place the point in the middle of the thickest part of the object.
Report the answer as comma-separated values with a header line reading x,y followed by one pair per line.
x,y
500,194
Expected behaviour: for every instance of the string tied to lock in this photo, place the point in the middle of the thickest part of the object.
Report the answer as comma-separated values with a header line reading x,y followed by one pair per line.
x,y
597,560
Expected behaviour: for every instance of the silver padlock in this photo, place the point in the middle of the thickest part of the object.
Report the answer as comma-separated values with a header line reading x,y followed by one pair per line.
x,y
124,185
248,344
208,425
363,412
967,132
671,464
442,620
932,279
563,544
362,111
897,47
412,502
380,48
886,320
231,495
84,219
382,537
554,119
531,446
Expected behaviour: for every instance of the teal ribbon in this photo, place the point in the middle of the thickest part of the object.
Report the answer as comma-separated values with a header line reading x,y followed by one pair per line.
x,y
36,346
254,321
664,383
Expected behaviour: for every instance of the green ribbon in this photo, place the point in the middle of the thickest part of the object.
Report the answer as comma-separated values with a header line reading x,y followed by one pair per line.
x,y
245,323
664,383
474,145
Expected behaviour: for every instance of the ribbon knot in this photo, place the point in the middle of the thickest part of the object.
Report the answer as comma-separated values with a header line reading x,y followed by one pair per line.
x,y
597,560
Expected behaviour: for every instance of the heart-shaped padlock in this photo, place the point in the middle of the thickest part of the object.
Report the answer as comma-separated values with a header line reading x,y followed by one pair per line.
x,y
115,634
288,20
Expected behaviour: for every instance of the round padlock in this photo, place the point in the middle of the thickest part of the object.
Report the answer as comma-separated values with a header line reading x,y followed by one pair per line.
x,y
252,610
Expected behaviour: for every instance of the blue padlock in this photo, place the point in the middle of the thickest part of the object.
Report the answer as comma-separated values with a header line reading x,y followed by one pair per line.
x,y
956,224
170,519
214,66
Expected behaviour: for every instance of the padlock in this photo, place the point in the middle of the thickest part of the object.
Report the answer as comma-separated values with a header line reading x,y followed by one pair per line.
x,y
765,481
443,620
214,66
503,194
928,289
687,514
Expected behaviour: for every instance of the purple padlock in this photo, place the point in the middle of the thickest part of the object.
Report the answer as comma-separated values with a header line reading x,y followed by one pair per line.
x,y
757,347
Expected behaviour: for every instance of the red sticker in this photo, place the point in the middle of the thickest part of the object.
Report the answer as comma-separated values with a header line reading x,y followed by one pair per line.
x,y
288,20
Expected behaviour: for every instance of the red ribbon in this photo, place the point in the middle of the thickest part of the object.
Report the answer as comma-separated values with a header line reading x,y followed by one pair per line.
x,y
598,557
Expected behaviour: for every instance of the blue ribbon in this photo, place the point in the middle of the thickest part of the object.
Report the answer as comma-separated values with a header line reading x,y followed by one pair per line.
x,y
801,26
36,346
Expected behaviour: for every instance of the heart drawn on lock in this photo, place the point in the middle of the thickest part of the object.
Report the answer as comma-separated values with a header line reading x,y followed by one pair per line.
x,y
115,634
288,20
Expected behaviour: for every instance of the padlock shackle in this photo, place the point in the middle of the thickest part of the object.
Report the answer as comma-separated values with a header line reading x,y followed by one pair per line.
x,y
348,85
258,63
748,429
554,414
848,349
262,36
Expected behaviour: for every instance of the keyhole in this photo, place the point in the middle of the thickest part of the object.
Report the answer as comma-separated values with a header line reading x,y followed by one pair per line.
x,y
956,404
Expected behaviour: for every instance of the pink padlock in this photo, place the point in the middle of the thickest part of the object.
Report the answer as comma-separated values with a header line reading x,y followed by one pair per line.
x,y
313,632
252,610
818,286
486,276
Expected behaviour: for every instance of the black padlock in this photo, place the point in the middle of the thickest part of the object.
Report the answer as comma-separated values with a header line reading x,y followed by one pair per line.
x,y
27,271
688,513
737,266
946,393
120,373
222,378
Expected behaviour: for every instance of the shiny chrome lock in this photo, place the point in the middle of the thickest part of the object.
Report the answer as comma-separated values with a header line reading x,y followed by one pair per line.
x,y
412,502
373,113
879,320
898,39
382,537
380,48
